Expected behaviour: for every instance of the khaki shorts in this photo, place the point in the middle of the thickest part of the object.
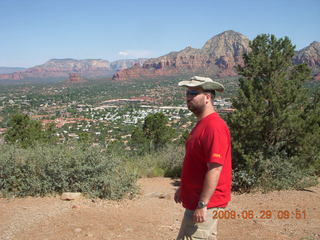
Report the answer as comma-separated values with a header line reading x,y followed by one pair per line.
x,y
190,230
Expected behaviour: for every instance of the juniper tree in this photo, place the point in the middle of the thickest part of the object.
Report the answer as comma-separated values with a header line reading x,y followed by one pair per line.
x,y
155,132
274,115
27,132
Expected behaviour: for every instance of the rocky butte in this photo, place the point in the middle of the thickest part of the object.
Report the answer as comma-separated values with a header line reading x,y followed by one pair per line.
x,y
311,56
218,57
61,68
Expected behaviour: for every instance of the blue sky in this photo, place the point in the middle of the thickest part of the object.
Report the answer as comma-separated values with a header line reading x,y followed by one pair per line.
x,y
34,31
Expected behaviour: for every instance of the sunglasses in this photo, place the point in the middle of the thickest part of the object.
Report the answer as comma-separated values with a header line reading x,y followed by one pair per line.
x,y
192,93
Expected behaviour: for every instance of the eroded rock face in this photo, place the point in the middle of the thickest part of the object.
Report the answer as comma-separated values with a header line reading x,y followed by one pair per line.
x,y
126,63
56,68
311,56
61,68
75,78
218,56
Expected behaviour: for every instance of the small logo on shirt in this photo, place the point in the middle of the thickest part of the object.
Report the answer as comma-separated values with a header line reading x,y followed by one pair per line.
x,y
217,155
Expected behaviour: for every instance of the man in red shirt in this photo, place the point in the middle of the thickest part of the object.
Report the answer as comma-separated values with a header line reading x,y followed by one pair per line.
x,y
206,172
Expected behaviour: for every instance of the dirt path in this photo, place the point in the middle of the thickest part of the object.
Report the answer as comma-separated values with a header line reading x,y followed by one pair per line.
x,y
153,215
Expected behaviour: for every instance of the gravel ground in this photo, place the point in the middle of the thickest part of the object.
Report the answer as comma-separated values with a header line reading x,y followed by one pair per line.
x,y
153,215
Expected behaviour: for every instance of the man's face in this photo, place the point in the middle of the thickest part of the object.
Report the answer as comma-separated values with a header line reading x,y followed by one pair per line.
x,y
196,99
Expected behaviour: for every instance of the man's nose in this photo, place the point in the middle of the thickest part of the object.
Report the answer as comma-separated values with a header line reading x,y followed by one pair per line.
x,y
189,97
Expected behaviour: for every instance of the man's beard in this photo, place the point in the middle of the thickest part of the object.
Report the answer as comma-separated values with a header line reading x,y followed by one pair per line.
x,y
197,110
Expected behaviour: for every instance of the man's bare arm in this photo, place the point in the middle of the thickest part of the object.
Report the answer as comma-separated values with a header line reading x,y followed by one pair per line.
x,y
210,181
209,186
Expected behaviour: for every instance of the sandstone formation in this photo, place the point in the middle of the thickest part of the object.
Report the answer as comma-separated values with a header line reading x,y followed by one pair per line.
x,y
309,55
126,63
75,78
218,56
62,68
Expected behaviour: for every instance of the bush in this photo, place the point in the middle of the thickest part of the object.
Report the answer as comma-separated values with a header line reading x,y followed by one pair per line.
x,y
55,169
242,181
171,160
154,134
26,132
280,172
277,172
166,162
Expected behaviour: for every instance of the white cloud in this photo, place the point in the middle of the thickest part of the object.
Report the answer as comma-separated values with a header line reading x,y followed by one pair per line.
x,y
136,53
122,53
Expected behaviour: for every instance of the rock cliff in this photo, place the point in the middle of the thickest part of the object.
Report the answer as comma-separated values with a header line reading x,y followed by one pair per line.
x,y
62,68
218,56
309,55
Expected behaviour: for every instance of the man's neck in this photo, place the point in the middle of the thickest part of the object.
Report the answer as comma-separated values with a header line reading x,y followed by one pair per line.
x,y
205,113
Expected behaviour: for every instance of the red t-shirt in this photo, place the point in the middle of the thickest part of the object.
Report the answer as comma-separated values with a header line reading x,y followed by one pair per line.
x,y
209,141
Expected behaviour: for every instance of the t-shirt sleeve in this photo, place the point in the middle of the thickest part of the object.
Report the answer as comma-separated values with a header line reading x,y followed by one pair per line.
x,y
216,144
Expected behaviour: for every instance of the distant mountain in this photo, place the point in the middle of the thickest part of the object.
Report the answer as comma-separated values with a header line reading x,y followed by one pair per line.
x,y
218,57
61,68
126,63
5,70
309,55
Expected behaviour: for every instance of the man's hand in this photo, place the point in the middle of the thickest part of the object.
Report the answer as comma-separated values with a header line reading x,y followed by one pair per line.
x,y
177,197
199,215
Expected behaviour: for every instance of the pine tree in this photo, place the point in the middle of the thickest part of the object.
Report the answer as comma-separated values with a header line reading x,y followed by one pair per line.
x,y
26,132
156,130
155,133
273,116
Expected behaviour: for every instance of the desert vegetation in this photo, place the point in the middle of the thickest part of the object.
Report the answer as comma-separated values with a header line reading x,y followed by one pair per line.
x,y
103,151
275,127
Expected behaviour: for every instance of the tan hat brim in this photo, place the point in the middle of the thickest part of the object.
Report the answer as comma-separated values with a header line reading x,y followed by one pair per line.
x,y
205,85
190,84
213,86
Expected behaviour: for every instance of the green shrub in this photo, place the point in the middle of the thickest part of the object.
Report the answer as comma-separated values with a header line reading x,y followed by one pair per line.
x,y
166,162
276,172
280,172
59,168
26,132
154,135
171,160
155,172
242,181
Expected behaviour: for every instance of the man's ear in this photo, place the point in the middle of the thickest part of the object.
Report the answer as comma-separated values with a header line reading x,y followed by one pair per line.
x,y
208,97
